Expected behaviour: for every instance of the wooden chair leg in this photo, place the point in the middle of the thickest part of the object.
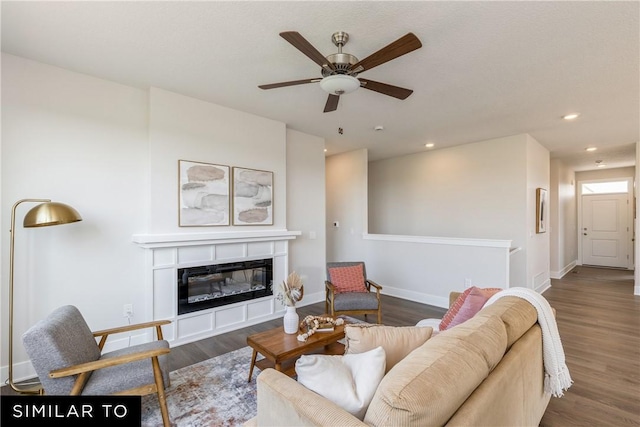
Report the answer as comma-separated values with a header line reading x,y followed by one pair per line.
x,y
379,316
162,400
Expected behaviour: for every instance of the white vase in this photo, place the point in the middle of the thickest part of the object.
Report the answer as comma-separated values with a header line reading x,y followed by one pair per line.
x,y
290,320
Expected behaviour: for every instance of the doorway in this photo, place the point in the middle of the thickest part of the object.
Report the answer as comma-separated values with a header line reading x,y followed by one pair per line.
x,y
606,223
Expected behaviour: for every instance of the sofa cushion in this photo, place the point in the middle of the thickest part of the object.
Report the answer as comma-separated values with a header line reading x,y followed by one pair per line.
x,y
347,279
517,314
431,383
466,306
348,381
397,341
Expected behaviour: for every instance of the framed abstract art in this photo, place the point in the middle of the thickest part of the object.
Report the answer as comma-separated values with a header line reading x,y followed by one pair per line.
x,y
203,194
252,197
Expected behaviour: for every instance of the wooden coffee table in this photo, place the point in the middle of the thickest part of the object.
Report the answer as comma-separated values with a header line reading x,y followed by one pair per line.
x,y
281,350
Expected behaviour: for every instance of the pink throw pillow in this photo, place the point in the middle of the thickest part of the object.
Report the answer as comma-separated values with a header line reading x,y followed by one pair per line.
x,y
466,306
348,279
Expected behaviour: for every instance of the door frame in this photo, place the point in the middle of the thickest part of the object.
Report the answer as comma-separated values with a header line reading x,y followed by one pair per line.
x,y
630,217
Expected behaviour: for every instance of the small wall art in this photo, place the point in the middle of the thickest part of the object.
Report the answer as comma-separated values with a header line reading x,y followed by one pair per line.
x,y
541,210
252,197
204,194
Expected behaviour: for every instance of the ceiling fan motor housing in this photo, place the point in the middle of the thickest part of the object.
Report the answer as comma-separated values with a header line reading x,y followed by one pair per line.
x,y
342,63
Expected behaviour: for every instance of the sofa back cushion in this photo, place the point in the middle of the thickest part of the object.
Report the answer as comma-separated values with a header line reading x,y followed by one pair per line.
x,y
517,314
428,386
397,341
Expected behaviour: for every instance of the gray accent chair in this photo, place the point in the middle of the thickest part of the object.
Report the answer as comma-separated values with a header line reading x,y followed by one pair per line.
x,y
68,361
352,303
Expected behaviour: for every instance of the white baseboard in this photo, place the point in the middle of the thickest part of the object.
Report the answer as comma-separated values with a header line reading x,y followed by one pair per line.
x,y
417,297
543,287
560,274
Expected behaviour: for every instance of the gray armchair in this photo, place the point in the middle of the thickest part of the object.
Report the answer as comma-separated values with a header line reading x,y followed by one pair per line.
x,y
68,361
338,301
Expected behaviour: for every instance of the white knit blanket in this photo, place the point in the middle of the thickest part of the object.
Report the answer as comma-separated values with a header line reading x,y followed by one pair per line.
x,y
556,378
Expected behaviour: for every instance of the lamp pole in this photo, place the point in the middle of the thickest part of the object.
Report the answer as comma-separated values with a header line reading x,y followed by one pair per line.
x,y
43,215
29,390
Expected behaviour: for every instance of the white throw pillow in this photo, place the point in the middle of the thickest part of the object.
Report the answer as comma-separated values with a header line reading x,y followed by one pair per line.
x,y
349,381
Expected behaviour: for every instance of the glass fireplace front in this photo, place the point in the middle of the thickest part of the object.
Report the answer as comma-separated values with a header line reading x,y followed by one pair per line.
x,y
210,286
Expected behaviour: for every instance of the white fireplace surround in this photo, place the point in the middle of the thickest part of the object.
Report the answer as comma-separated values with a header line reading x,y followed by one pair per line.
x,y
166,253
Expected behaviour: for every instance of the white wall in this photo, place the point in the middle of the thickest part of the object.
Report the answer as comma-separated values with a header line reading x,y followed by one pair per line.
x,y
472,190
563,220
419,269
614,173
189,129
112,151
346,183
477,190
537,248
82,141
305,182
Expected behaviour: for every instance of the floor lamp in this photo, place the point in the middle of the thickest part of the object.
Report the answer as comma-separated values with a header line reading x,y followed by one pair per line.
x,y
43,215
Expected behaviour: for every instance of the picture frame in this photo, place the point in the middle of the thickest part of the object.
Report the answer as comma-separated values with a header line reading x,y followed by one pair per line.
x,y
541,210
203,194
252,196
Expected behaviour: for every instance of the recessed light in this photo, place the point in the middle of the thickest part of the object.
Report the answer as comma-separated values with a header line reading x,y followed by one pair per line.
x,y
429,145
325,150
602,165
591,149
378,128
571,116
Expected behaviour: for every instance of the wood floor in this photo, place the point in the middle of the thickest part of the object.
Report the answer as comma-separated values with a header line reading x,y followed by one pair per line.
x,y
599,321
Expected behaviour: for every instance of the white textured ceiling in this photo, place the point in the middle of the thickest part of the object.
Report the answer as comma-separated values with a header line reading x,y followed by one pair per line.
x,y
486,69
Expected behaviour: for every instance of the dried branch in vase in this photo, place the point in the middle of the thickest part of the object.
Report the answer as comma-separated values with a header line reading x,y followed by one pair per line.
x,y
291,290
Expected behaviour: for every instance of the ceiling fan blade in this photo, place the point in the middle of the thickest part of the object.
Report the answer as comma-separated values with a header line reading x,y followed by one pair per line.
x,y
405,44
332,103
289,83
305,47
385,89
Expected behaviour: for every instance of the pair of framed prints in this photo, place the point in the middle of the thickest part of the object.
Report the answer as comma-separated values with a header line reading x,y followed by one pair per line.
x,y
213,195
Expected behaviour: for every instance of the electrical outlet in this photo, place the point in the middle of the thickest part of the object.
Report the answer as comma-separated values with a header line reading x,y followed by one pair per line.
x,y
127,311
467,283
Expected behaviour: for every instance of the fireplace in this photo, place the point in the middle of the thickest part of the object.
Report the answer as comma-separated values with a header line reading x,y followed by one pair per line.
x,y
169,255
208,286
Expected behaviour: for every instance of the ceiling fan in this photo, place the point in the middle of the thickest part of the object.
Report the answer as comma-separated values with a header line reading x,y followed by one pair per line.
x,y
339,70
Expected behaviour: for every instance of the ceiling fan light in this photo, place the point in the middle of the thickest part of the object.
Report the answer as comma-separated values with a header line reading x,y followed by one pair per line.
x,y
339,84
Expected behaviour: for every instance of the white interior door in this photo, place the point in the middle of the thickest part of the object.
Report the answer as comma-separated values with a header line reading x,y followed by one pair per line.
x,y
605,230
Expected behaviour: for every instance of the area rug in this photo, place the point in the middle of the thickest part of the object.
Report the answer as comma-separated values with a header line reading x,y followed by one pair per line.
x,y
214,392
211,393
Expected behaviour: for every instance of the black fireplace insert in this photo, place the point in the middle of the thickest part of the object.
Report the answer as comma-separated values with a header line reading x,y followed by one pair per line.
x,y
210,286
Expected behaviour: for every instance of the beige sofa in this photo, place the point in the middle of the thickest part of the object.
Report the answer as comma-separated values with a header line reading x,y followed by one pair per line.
x,y
487,371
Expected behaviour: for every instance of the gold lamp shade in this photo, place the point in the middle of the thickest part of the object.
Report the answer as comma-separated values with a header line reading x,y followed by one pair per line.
x,y
51,213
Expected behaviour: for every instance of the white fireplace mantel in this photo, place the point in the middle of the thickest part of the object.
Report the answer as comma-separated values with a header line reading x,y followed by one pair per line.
x,y
166,253
150,241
